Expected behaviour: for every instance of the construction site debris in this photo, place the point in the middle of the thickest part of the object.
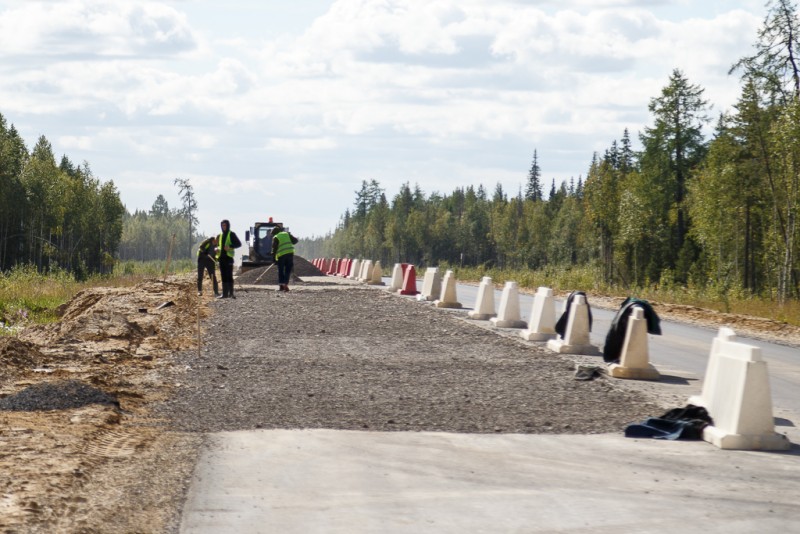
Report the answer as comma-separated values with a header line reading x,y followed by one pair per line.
x,y
61,395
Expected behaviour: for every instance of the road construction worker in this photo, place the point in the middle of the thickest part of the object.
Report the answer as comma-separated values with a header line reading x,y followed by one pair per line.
x,y
207,262
283,250
227,243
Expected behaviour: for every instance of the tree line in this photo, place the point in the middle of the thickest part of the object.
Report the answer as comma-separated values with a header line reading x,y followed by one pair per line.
x,y
59,215
54,214
162,231
683,209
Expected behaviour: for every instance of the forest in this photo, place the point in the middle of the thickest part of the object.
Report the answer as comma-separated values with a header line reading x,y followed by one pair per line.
x,y
702,201
60,216
688,208
54,215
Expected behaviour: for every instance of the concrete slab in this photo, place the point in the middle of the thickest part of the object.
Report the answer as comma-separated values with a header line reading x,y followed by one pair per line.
x,y
306,481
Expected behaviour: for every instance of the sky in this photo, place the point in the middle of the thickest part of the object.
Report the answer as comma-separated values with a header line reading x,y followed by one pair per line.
x,y
281,109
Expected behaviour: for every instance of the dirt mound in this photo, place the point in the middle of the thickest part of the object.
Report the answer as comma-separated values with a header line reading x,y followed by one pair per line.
x,y
137,320
17,353
62,433
63,395
269,275
303,267
263,276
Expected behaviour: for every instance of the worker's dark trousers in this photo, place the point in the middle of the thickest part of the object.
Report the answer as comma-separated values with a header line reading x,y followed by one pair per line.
x,y
206,264
226,273
285,266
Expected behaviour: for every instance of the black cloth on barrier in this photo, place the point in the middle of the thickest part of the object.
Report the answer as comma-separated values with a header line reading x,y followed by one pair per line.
x,y
561,324
619,325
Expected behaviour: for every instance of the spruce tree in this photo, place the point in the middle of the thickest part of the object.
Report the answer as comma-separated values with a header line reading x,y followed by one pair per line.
x,y
533,187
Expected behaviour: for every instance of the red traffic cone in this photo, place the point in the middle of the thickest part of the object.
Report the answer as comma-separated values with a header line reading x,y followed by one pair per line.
x,y
343,267
409,281
333,267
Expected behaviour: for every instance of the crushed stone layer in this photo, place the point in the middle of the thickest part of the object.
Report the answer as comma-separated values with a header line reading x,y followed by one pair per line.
x,y
362,359
59,395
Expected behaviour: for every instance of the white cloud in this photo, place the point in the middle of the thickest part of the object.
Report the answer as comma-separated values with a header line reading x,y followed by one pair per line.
x,y
69,142
295,145
94,28
389,89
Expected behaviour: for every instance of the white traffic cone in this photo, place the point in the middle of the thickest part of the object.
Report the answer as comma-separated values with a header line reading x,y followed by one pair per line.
x,y
431,285
376,276
508,315
484,305
635,356
447,297
542,324
354,270
576,333
397,278
737,396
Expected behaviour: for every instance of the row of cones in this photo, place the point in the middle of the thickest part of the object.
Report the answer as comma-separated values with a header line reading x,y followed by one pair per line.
x,y
745,423
736,387
352,269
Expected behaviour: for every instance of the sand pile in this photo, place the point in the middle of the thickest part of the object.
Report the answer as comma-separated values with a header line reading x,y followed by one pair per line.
x,y
269,275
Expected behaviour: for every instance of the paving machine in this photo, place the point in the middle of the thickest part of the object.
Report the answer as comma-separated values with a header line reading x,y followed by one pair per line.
x,y
259,244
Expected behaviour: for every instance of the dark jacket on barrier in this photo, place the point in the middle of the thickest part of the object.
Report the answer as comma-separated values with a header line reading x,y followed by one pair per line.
x,y
561,324
619,325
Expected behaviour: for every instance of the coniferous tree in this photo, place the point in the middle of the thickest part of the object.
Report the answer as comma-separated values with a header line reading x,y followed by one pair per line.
x,y
533,186
673,147
775,65
189,208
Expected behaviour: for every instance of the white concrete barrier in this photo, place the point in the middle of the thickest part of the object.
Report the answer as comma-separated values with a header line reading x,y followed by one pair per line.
x,y
542,325
366,268
397,278
508,315
634,359
737,396
484,305
354,269
576,333
724,334
431,285
448,297
376,276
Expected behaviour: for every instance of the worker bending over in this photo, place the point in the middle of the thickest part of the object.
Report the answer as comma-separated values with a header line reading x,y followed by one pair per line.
x,y
283,250
207,262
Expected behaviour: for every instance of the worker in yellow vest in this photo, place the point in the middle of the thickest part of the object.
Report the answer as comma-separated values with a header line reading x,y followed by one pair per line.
x,y
283,251
207,262
227,243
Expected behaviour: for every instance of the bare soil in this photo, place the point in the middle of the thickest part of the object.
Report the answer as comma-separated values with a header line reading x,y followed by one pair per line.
x,y
325,355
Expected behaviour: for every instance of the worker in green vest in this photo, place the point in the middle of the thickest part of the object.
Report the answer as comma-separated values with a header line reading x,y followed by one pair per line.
x,y
207,262
283,251
227,243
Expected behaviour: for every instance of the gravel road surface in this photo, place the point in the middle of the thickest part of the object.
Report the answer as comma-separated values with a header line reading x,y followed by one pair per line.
x,y
340,357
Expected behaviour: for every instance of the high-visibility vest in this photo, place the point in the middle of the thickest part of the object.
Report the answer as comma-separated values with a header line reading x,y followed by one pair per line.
x,y
226,242
204,247
285,245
